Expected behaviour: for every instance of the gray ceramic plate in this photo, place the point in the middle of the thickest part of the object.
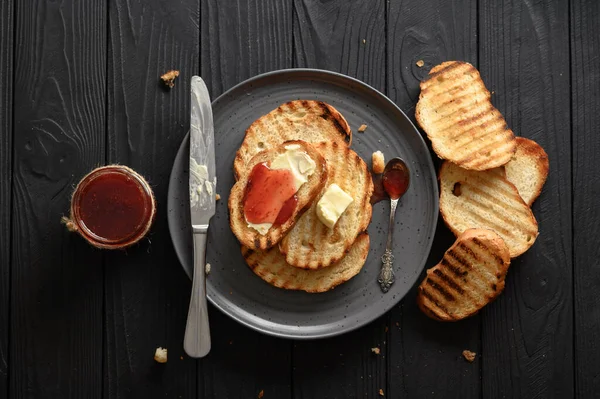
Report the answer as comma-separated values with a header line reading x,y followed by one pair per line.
x,y
231,285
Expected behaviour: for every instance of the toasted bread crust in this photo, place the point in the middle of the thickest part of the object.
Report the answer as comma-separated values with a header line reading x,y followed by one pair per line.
x,y
470,275
251,238
311,244
307,120
487,200
455,111
271,267
528,169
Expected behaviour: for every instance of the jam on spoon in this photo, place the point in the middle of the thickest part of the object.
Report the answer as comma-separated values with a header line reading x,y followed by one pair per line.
x,y
396,179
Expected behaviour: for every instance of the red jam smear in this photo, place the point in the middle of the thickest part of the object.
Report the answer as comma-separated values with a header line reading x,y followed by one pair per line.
x,y
270,195
395,182
113,206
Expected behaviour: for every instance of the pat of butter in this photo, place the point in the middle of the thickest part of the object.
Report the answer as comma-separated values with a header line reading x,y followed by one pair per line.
x,y
296,161
332,204
262,228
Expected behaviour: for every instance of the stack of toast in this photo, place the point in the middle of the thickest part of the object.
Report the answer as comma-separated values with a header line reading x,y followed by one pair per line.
x,y
488,181
303,253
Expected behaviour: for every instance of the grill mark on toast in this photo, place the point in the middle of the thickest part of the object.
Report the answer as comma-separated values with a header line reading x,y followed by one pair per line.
x,y
484,247
463,109
496,184
427,294
477,274
327,115
468,138
448,296
472,154
454,269
449,281
485,222
466,126
446,69
497,201
463,246
502,141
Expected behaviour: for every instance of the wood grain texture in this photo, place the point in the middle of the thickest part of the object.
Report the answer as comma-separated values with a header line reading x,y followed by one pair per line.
x,y
241,39
585,89
56,277
342,36
528,332
6,109
346,37
147,293
425,356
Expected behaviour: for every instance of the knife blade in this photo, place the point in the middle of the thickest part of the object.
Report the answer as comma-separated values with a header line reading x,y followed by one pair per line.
x,y
202,186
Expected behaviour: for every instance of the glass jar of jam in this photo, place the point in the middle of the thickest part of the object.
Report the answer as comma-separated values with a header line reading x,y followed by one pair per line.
x,y
112,207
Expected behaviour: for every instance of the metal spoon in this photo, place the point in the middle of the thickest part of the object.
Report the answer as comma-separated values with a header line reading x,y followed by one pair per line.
x,y
396,179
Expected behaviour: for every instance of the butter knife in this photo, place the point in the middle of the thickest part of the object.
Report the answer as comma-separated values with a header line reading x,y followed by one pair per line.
x,y
203,182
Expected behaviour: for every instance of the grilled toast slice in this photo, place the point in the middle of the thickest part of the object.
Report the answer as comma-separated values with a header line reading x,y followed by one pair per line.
x,y
312,245
464,127
310,121
470,275
271,266
487,200
528,169
306,194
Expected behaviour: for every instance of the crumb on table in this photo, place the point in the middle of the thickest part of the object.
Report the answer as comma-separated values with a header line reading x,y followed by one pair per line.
x,y
376,350
468,355
381,392
420,63
217,197
362,128
207,269
160,355
261,394
169,78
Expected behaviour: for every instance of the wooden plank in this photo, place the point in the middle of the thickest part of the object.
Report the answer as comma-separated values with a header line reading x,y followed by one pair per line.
x,y
241,39
585,89
528,332
425,356
147,293
59,120
6,110
346,37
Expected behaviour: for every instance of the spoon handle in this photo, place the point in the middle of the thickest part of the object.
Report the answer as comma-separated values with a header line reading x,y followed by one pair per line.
x,y
386,275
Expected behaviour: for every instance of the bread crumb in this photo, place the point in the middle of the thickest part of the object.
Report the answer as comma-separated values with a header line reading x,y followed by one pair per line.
x,y
169,78
377,162
420,63
181,357
381,392
217,197
376,350
261,394
397,324
468,355
386,329
364,41
362,128
207,269
160,355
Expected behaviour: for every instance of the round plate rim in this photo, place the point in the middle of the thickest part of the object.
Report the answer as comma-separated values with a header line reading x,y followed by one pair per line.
x,y
431,169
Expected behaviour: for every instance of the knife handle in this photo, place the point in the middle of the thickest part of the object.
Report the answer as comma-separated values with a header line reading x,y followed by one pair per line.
x,y
196,341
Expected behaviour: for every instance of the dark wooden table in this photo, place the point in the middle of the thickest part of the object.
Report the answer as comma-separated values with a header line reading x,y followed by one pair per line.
x,y
79,87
